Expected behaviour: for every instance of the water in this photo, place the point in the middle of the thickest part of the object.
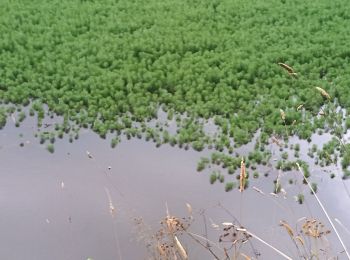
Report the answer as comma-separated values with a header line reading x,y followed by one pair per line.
x,y
56,206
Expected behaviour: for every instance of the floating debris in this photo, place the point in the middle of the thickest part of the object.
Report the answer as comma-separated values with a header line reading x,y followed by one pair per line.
x,y
89,155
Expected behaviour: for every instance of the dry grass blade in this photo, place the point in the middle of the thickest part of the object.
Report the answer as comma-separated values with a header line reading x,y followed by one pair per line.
x,y
288,68
13,118
171,224
242,176
189,209
274,194
283,115
323,93
245,256
287,227
300,240
161,250
322,113
258,190
276,141
214,225
341,224
110,203
300,107
180,248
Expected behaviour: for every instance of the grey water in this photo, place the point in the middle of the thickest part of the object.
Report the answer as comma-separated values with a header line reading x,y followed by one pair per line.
x,y
57,206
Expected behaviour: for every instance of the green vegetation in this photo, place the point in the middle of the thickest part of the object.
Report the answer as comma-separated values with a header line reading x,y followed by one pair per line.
x,y
314,187
300,198
277,188
115,141
50,148
213,177
111,66
284,155
2,118
153,54
230,186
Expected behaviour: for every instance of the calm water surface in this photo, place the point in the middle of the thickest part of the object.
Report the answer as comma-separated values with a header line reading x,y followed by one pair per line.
x,y
56,206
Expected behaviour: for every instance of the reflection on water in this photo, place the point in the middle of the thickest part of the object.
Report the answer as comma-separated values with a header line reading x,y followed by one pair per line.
x,y
55,206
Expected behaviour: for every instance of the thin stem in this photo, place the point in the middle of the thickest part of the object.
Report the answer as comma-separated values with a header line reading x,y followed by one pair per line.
x,y
193,236
269,245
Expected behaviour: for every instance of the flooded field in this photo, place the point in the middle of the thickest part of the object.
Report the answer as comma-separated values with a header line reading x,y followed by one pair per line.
x,y
174,129
56,206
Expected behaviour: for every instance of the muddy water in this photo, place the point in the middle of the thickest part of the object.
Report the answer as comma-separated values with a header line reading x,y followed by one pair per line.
x,y
56,206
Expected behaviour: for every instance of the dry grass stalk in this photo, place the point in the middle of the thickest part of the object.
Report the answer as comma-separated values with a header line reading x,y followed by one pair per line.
x,y
314,228
167,243
161,250
289,69
287,227
242,176
300,240
300,107
110,203
322,113
174,224
324,211
268,244
258,190
294,238
323,93
283,115
189,209
213,224
278,183
274,194
245,256
180,248
276,141
342,225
